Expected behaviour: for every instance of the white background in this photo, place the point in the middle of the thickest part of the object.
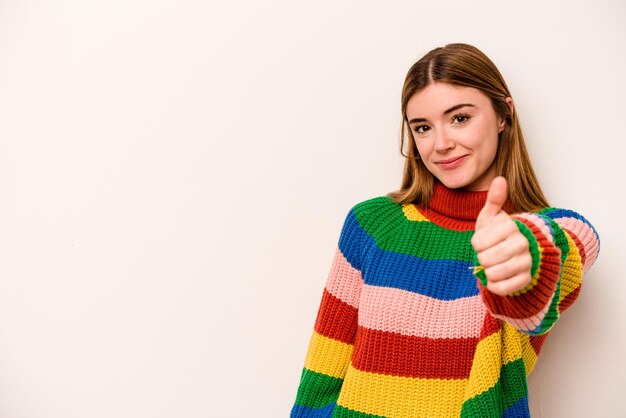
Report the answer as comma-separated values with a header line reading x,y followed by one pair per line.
x,y
174,176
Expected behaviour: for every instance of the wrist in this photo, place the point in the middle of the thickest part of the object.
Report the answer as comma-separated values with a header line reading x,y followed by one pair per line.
x,y
533,249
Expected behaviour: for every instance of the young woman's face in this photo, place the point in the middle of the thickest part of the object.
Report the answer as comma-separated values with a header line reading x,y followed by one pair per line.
x,y
456,133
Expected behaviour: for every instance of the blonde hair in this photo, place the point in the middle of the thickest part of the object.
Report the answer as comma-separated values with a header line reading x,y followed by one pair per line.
x,y
465,65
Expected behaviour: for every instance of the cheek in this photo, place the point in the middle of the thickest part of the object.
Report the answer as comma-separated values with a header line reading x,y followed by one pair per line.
x,y
473,137
484,140
424,148
489,148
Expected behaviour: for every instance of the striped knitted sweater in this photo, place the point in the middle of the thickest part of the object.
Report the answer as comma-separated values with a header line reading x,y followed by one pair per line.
x,y
405,327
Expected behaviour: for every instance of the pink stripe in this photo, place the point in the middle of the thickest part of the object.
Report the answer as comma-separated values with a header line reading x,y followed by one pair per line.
x,y
585,235
537,221
397,310
527,324
344,281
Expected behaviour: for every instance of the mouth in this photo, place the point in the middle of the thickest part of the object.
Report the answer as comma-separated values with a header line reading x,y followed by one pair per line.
x,y
450,160
451,163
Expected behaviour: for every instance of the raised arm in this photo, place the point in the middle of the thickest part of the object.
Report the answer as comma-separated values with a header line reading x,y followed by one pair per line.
x,y
562,245
332,341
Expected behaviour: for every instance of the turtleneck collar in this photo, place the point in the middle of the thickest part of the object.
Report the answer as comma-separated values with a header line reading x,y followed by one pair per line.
x,y
456,209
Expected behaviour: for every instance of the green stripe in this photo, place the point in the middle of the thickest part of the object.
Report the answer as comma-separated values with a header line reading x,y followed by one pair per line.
x,y
383,220
533,246
317,390
552,315
510,388
343,412
560,240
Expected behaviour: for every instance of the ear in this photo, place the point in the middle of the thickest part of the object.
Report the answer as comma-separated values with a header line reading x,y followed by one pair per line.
x,y
508,101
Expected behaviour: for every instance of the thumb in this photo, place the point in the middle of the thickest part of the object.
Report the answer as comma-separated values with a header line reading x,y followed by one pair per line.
x,y
496,197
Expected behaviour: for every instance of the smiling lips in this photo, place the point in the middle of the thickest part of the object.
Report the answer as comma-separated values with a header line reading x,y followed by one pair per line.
x,y
451,163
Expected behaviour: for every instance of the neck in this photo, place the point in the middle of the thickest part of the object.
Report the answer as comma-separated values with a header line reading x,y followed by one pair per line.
x,y
456,209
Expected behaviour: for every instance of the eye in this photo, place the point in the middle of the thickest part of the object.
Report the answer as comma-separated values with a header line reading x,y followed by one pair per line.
x,y
464,118
419,130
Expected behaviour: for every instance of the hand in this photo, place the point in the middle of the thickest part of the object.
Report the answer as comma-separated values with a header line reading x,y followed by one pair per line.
x,y
503,251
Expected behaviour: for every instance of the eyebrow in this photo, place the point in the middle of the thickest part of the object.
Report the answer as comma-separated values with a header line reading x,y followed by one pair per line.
x,y
452,109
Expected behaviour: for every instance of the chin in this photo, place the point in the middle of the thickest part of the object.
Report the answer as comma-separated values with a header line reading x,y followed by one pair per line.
x,y
453,183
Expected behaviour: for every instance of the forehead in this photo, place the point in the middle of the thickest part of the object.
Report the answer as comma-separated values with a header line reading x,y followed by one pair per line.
x,y
438,97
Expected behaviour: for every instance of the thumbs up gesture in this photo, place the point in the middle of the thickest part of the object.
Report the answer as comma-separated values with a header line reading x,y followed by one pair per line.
x,y
502,250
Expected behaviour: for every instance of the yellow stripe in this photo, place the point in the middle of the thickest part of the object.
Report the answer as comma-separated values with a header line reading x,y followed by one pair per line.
x,y
572,270
398,396
491,354
512,344
528,353
535,278
328,356
412,214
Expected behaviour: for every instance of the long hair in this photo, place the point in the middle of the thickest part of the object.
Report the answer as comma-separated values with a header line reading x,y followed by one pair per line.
x,y
465,65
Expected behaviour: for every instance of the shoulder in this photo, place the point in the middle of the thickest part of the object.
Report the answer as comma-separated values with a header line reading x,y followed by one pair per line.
x,y
375,210
569,219
375,205
577,226
560,213
571,223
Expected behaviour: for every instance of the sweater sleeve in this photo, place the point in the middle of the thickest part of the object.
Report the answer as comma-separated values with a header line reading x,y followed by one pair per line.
x,y
563,246
332,340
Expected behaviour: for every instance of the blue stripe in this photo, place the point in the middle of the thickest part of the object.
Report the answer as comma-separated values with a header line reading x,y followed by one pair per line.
x,y
537,329
555,213
299,411
350,240
518,410
439,279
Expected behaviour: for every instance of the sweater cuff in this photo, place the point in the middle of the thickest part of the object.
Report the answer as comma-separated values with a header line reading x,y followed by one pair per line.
x,y
525,309
534,252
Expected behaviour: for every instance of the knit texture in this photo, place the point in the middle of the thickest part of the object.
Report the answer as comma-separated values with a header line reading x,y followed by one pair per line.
x,y
406,327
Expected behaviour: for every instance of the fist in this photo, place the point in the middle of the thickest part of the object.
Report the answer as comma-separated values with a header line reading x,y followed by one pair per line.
x,y
502,250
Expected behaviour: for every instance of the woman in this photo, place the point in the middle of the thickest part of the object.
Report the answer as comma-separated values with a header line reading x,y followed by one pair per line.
x,y
441,294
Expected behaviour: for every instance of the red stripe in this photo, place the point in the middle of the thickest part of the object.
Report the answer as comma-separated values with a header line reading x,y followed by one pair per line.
x,y
579,245
336,319
455,217
410,356
536,341
449,223
491,325
569,299
533,301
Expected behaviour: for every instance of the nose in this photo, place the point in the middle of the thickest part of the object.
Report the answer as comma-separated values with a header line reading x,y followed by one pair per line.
x,y
443,140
